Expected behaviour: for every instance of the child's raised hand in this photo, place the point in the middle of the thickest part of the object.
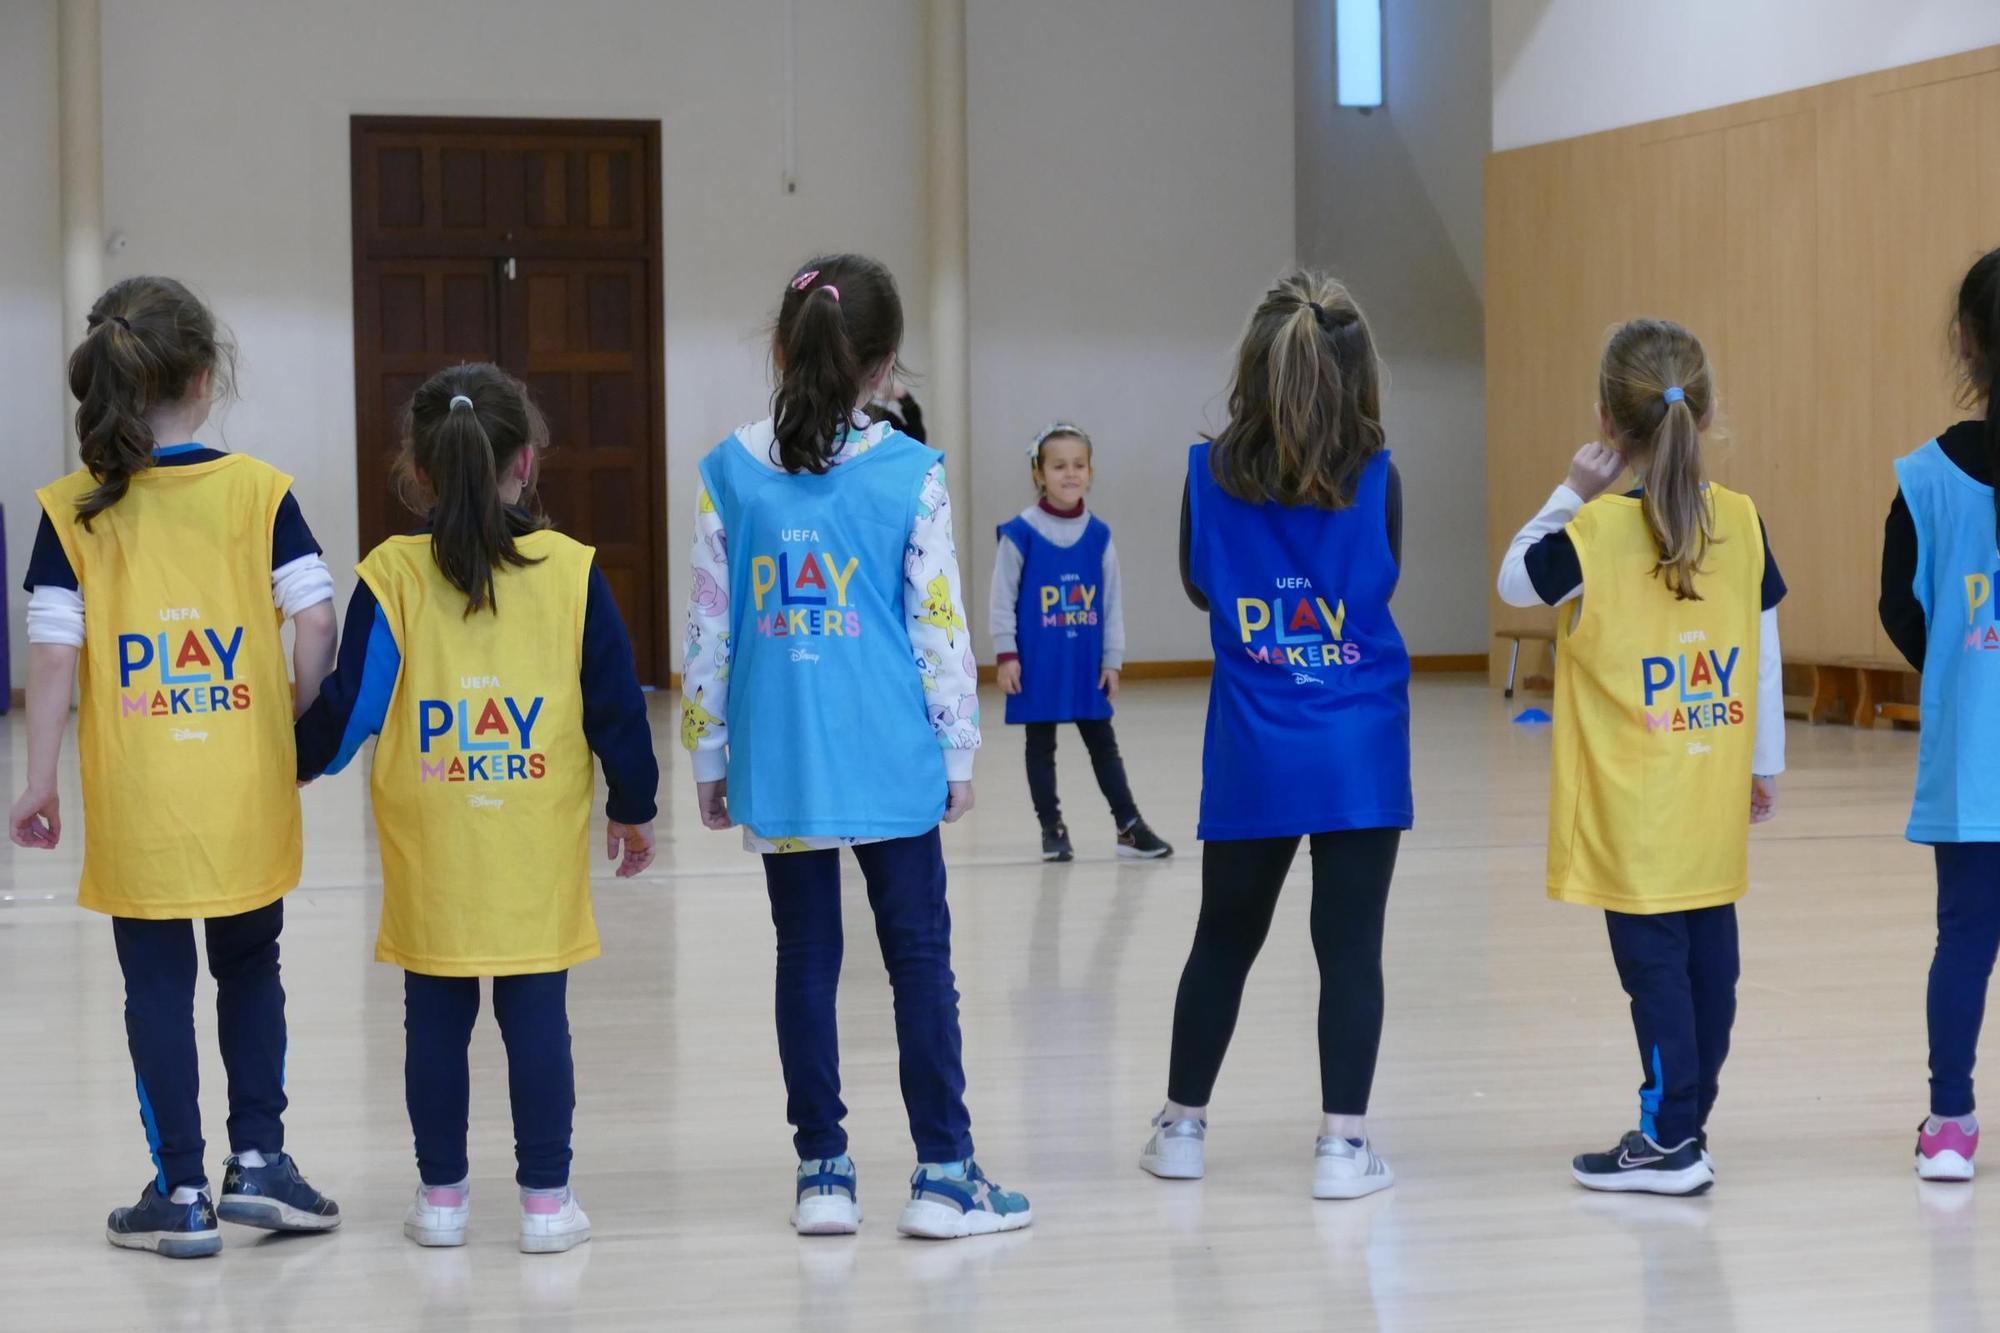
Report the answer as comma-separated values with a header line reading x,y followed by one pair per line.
x,y
1008,673
1107,681
713,800
1593,470
634,842
1763,799
36,820
958,800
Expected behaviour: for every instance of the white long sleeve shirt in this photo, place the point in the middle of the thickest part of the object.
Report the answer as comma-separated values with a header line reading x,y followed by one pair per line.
x,y
1517,588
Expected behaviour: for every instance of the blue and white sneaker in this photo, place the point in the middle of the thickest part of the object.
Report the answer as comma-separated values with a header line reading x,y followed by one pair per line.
x,y
274,1197
827,1202
171,1230
949,1200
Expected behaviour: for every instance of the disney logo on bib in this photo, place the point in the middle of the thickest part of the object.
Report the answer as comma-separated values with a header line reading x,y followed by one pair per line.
x,y
196,677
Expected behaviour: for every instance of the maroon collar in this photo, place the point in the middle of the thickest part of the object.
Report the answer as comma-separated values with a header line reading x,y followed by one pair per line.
x,y
1051,510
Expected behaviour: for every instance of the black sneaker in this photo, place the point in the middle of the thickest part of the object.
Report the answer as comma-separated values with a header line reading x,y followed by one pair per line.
x,y
274,1197
1136,840
1055,844
171,1230
1641,1165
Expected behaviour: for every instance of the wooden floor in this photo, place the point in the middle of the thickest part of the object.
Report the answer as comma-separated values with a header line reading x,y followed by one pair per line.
x,y
1507,1049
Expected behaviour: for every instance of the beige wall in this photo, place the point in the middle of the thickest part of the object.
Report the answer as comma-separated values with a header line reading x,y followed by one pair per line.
x,y
1814,241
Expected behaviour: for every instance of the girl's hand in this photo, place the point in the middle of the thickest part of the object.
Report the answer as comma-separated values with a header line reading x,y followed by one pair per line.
x,y
713,800
635,841
1593,470
1008,673
36,820
1763,799
958,800
1108,682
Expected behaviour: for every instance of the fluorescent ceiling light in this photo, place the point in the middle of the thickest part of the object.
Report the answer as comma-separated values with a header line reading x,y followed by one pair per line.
x,y
1357,46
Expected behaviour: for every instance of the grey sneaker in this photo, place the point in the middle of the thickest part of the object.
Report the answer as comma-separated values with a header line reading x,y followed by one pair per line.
x,y
1174,1151
1342,1170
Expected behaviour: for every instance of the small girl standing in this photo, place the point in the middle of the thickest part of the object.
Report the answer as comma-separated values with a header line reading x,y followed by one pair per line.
x,y
1291,532
1939,567
1060,658
488,654
829,701
1660,729
166,569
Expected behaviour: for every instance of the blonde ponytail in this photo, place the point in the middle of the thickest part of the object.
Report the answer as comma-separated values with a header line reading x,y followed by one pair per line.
x,y
1656,388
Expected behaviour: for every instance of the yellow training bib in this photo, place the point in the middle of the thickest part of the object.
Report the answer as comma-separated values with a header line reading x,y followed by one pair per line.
x,y
1655,717
482,781
184,731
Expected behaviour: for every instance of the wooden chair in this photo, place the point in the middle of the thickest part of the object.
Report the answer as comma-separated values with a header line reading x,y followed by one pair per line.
x,y
1516,637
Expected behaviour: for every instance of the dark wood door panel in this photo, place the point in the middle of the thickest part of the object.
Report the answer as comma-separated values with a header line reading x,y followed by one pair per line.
x,y
534,244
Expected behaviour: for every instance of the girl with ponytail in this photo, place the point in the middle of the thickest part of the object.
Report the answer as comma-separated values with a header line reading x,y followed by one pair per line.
x,y
488,655
1669,718
1940,565
164,570
829,698
1291,534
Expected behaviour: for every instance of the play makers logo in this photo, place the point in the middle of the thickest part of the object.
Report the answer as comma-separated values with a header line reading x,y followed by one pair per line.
x,y
480,736
1068,604
1979,596
810,587
1296,630
1694,691
194,673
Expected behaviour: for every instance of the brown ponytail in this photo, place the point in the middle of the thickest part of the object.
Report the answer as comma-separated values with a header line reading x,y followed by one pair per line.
x,y
840,323
1978,323
1305,402
148,340
461,432
1656,388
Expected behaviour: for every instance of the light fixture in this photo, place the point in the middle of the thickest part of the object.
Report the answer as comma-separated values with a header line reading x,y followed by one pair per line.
x,y
1357,49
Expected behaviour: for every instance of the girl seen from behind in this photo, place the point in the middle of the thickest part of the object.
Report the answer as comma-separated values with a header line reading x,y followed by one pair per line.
x,y
1290,539
488,654
1669,718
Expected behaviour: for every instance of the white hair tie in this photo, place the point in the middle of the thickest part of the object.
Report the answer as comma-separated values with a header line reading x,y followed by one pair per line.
x,y
458,398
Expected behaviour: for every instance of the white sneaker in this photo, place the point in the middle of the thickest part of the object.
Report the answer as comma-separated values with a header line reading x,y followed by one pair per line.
x,y
552,1223
438,1215
1174,1151
1343,1171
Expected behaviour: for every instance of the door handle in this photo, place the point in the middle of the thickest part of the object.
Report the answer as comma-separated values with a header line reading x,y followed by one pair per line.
x,y
507,268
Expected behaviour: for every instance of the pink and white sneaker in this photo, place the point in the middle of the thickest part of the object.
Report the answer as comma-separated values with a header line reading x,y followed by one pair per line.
x,y
1945,1153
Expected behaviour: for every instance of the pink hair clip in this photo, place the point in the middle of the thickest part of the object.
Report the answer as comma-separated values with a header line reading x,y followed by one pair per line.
x,y
804,280
835,290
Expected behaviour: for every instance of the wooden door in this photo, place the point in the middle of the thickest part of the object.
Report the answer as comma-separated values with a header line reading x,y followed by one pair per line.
x,y
536,245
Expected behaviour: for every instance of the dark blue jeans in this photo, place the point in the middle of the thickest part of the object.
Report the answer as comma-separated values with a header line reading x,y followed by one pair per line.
x,y
1680,970
438,1014
158,960
906,890
1968,935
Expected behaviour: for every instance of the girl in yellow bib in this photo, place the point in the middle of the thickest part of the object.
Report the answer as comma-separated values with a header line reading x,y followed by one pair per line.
x,y
489,656
163,570
1669,728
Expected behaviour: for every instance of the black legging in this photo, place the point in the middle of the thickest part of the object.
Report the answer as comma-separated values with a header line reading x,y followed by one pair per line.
x,y
1105,761
1239,892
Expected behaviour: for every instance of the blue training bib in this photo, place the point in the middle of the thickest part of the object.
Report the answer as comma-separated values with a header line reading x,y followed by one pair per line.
x,y
1059,625
1309,707
828,733
1958,566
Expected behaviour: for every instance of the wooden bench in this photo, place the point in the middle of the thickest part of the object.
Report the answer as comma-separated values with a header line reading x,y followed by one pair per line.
x,y
1859,691
1516,637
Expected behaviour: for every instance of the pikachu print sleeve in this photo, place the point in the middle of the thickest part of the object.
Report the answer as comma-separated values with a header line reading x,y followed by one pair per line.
x,y
939,635
705,647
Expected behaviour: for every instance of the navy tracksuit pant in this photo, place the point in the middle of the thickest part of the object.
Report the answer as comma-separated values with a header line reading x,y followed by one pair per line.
x,y
1679,968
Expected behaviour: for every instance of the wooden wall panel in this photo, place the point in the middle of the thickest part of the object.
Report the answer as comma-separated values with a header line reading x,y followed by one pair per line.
x,y
1813,241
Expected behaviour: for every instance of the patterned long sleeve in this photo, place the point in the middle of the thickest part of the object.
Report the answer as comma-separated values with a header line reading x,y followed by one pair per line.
x,y
706,649
940,638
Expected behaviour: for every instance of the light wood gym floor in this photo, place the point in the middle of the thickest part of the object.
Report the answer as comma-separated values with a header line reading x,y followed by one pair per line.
x,y
1507,1050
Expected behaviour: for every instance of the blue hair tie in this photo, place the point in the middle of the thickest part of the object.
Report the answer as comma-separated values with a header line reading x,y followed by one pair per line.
x,y
1675,394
